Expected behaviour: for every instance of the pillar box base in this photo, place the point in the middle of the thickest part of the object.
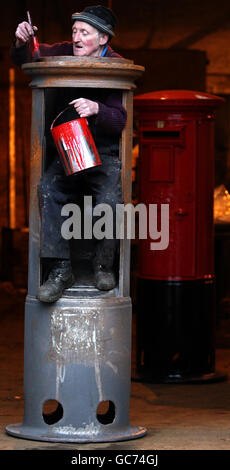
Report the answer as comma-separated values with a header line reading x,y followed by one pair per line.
x,y
77,358
73,435
175,331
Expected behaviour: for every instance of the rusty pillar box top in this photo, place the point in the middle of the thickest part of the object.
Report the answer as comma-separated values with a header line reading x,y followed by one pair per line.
x,y
106,72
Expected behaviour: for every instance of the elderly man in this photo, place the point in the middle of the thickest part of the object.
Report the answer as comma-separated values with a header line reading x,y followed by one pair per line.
x,y
91,31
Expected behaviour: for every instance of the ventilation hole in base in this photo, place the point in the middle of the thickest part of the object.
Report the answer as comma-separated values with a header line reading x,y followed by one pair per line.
x,y
52,411
106,412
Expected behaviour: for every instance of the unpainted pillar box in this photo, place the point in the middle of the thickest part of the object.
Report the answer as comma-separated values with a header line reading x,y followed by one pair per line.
x,y
77,350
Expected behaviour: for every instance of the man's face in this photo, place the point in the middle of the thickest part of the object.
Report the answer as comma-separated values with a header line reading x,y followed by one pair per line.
x,y
87,40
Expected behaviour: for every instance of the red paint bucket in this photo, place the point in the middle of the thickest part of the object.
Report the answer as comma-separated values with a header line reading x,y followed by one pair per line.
x,y
75,145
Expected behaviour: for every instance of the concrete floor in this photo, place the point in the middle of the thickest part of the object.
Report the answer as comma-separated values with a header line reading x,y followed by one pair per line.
x,y
176,416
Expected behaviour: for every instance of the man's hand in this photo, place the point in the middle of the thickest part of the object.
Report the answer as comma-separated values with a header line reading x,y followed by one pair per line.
x,y
85,108
23,33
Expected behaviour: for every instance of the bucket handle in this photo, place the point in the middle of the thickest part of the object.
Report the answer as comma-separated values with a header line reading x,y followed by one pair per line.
x,y
65,109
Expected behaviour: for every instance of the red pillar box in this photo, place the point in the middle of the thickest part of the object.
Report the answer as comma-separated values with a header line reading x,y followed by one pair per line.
x,y
176,302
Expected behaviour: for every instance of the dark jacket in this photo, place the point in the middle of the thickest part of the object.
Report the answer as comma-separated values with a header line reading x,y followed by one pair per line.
x,y
23,54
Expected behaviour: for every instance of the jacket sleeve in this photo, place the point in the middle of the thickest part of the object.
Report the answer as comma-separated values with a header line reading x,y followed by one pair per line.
x,y
112,116
21,55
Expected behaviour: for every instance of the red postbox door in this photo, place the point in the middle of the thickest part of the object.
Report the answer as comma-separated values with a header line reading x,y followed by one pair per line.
x,y
176,130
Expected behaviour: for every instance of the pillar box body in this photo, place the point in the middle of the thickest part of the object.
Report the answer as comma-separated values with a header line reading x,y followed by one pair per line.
x,y
176,135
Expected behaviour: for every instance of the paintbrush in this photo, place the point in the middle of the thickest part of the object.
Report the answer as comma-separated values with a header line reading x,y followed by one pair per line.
x,y
35,46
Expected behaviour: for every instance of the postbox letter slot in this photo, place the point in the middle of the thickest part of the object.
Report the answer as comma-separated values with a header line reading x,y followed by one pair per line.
x,y
161,134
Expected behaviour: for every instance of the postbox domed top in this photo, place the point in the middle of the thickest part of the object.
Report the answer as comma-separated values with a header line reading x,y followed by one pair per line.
x,y
178,98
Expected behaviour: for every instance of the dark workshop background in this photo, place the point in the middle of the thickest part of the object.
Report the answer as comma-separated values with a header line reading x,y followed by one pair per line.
x,y
184,44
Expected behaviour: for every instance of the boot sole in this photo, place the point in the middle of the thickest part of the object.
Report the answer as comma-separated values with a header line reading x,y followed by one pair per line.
x,y
54,298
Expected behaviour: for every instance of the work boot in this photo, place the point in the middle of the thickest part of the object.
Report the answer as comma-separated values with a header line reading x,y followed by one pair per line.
x,y
104,278
60,278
